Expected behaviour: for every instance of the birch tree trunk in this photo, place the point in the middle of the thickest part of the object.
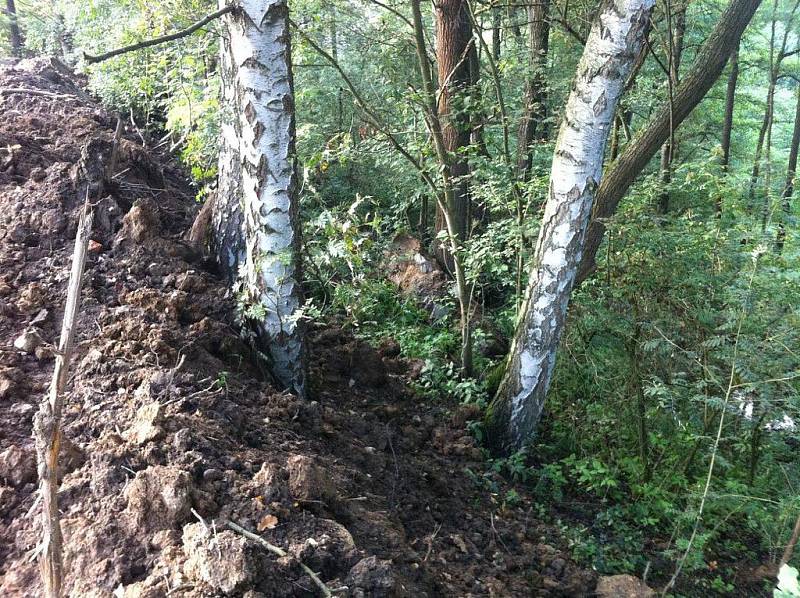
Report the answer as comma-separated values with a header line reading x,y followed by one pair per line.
x,y
611,48
258,176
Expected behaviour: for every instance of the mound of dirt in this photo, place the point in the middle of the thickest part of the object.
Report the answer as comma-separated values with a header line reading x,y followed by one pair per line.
x,y
172,429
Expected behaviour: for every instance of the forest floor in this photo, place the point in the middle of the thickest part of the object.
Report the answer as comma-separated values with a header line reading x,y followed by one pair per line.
x,y
171,430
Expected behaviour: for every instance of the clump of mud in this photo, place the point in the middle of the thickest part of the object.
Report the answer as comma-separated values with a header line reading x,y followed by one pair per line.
x,y
171,429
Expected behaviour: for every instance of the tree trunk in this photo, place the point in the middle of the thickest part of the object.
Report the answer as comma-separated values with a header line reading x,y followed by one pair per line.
x,y
14,35
453,40
227,235
791,170
260,104
496,24
610,51
535,108
730,100
762,133
708,65
669,148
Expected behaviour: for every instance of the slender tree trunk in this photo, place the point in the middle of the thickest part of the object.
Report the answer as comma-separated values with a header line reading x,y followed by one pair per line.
x,y
445,199
610,51
762,133
535,109
496,24
730,101
260,103
791,171
789,550
670,147
453,40
14,35
708,65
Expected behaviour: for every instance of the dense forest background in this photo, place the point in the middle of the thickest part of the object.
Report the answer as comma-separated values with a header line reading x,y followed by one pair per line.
x,y
670,429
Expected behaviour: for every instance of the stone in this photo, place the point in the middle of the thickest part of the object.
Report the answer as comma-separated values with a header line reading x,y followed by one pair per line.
x,y
159,496
371,577
307,481
28,341
622,586
146,427
222,560
18,466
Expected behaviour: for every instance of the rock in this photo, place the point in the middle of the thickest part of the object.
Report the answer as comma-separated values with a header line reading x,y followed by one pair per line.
x,y
28,341
7,387
222,560
18,466
159,496
146,427
140,224
622,586
271,482
371,578
307,481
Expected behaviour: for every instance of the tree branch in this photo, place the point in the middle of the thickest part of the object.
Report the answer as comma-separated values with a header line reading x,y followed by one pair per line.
x,y
159,40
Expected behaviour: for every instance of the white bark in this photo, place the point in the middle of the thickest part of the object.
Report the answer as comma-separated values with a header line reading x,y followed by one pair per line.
x,y
258,146
610,50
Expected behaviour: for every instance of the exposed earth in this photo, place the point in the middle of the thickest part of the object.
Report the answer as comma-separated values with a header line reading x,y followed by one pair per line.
x,y
171,429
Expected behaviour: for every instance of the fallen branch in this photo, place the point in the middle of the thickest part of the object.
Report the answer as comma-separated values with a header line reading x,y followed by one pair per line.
x,y
159,40
326,591
47,423
37,92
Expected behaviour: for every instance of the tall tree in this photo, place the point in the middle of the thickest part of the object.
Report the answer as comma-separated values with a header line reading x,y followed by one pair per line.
x,y
453,43
258,173
791,172
776,57
535,109
611,48
14,35
707,67
730,102
674,54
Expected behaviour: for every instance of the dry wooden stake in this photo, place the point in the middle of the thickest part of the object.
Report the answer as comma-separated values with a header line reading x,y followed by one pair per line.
x,y
47,423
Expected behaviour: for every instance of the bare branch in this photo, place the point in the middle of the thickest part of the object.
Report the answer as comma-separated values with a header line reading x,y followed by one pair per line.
x,y
159,40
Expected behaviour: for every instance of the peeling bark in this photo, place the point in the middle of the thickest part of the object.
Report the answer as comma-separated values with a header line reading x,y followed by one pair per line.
x,y
611,49
256,221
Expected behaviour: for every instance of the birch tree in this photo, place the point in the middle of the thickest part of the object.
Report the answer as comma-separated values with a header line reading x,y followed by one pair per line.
x,y
258,183
611,48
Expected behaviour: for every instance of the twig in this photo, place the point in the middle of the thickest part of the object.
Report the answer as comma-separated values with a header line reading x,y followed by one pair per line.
x,y
159,40
326,591
47,424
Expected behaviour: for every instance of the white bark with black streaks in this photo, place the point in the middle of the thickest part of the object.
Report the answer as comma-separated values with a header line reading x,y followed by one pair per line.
x,y
610,50
262,113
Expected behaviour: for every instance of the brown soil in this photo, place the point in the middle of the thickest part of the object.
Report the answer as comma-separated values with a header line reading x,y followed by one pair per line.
x,y
171,429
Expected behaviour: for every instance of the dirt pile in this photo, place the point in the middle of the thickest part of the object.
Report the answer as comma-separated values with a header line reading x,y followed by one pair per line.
x,y
171,430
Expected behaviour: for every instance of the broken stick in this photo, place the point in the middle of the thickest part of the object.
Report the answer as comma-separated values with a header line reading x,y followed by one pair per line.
x,y
47,423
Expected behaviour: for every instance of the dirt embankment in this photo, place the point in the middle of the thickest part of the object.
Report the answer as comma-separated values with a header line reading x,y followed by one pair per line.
x,y
171,430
